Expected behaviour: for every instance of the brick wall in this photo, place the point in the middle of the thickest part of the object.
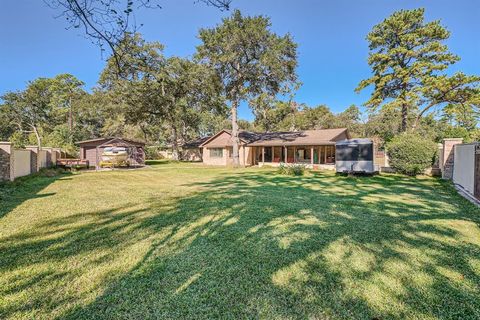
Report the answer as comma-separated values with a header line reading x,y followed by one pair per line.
x,y
33,162
34,165
7,161
448,157
4,165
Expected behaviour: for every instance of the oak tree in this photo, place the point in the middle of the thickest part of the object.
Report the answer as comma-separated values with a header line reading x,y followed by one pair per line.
x,y
250,60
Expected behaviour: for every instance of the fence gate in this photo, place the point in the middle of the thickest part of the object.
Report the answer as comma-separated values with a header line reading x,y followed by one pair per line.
x,y
476,182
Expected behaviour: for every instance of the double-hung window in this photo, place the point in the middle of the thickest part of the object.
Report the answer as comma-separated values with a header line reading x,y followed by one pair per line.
x,y
216,153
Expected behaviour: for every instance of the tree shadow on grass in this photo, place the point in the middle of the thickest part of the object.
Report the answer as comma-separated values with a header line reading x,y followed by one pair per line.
x,y
253,245
256,245
12,194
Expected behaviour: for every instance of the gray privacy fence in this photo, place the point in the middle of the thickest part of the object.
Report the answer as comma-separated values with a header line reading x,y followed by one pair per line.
x,y
16,163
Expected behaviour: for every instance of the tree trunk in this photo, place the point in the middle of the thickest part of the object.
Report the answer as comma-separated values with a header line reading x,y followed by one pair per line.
x,y
404,117
37,135
70,115
174,143
235,139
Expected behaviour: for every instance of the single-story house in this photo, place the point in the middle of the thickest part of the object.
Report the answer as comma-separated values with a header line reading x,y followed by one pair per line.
x,y
315,148
92,150
191,150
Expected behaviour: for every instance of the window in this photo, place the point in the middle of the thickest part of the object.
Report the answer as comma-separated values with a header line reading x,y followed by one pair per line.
x,y
216,153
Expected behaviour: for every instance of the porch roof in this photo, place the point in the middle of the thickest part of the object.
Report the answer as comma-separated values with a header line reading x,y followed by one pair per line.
x,y
300,138
273,139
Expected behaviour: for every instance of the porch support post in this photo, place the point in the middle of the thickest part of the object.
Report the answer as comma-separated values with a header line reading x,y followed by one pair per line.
x,y
311,155
294,154
286,154
263,155
325,153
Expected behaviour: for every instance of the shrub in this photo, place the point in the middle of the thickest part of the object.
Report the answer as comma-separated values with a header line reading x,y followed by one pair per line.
x,y
153,153
282,169
411,153
291,170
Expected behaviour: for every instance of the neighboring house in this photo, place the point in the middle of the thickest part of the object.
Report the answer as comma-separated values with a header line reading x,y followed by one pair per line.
x,y
92,150
310,147
191,150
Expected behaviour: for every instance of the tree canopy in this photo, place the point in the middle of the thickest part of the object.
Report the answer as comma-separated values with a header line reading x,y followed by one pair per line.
x,y
249,59
409,59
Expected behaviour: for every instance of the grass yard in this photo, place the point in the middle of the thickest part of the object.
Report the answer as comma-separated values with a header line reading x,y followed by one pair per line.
x,y
181,241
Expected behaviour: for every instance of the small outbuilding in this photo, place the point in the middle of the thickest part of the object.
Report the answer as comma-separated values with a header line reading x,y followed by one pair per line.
x,y
92,150
355,155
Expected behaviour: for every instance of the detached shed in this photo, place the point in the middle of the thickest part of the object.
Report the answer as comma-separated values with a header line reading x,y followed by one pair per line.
x,y
92,150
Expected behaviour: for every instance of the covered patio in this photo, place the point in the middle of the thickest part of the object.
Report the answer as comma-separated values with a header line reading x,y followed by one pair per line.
x,y
310,155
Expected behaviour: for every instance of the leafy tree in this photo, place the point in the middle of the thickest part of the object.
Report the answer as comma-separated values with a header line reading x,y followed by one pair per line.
x,y
249,59
31,109
166,93
408,56
65,89
273,115
350,118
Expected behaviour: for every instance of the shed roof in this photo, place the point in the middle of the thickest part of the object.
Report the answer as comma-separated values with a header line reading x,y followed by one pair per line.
x,y
99,141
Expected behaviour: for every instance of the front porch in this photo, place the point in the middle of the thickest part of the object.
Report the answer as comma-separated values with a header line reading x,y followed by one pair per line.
x,y
317,156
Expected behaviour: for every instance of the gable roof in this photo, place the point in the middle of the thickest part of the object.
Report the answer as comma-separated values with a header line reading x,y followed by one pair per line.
x,y
195,143
307,137
99,141
245,137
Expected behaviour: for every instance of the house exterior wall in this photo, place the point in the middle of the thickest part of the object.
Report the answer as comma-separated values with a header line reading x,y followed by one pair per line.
x,y
220,141
464,166
193,154
244,154
214,161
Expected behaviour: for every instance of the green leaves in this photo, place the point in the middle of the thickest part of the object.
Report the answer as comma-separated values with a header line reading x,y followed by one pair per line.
x,y
407,57
248,57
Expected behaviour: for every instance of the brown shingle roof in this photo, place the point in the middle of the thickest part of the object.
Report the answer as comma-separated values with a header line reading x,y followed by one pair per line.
x,y
98,141
307,137
195,143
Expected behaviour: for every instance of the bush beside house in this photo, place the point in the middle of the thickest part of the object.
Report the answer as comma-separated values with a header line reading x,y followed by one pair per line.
x,y
411,153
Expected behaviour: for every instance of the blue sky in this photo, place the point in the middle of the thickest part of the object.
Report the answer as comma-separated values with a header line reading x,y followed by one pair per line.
x,y
330,34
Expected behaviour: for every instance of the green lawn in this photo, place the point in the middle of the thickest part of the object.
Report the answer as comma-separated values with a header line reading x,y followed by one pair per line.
x,y
184,241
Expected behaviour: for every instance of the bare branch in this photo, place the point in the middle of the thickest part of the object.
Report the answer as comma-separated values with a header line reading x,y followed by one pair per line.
x,y
105,22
